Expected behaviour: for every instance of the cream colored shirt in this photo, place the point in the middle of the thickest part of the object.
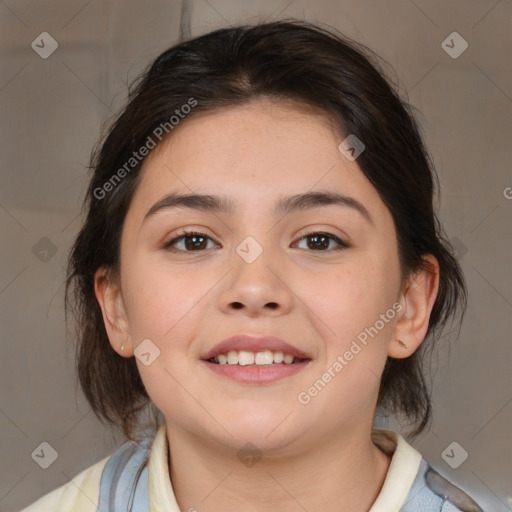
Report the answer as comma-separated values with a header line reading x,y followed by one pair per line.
x,y
82,493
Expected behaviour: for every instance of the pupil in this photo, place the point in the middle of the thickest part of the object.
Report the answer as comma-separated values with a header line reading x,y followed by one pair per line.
x,y
324,239
194,245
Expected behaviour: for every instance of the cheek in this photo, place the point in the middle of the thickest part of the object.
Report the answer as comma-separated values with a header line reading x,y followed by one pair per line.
x,y
355,298
165,307
356,323
157,300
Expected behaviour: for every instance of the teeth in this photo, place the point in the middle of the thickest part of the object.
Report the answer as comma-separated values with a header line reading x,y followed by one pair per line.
x,y
232,357
288,359
265,357
245,358
278,357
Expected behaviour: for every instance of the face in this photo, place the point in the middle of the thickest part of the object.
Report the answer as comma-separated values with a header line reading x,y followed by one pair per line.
x,y
315,277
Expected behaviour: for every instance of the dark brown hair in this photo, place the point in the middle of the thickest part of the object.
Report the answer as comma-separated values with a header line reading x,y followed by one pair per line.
x,y
286,60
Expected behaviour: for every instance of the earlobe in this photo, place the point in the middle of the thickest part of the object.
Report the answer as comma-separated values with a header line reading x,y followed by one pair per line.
x,y
418,299
108,293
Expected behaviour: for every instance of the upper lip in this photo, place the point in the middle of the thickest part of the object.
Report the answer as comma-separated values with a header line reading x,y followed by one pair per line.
x,y
254,344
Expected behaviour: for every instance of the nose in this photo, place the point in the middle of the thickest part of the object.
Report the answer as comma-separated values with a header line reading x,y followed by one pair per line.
x,y
257,288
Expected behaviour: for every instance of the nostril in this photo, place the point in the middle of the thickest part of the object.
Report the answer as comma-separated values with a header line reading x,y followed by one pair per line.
x,y
239,305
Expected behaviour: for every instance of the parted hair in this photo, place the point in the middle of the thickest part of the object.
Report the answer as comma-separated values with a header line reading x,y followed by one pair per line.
x,y
289,60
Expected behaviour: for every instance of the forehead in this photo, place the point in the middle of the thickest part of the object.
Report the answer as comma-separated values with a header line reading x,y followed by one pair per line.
x,y
253,153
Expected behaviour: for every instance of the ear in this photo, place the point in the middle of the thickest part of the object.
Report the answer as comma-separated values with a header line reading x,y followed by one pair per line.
x,y
417,300
108,293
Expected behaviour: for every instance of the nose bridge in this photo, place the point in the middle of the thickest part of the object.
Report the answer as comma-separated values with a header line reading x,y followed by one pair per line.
x,y
253,258
255,282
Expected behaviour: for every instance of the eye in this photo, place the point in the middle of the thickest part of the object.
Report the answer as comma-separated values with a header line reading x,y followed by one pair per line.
x,y
321,241
197,242
193,242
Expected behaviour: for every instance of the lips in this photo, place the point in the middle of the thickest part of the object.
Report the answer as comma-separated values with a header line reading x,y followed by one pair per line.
x,y
254,344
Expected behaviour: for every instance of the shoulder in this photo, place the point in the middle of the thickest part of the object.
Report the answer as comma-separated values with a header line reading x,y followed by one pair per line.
x,y
81,493
113,474
431,489
412,484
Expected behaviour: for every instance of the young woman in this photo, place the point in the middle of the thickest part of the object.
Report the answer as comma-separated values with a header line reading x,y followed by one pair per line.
x,y
261,264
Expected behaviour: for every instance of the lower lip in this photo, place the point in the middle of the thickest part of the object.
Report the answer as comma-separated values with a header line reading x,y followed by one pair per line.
x,y
253,374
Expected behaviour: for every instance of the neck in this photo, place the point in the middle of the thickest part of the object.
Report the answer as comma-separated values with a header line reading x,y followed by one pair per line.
x,y
343,473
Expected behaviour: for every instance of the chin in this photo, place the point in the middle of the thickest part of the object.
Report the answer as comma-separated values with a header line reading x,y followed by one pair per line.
x,y
266,429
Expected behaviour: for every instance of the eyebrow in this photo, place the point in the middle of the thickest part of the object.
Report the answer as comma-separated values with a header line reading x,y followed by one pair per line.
x,y
222,204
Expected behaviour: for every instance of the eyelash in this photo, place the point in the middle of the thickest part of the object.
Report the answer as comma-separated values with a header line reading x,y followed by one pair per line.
x,y
185,234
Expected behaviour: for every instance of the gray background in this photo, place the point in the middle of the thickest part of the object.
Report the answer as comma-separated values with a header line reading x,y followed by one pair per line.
x,y
51,111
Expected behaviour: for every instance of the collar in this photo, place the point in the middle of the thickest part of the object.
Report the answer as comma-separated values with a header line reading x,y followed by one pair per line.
x,y
405,461
402,471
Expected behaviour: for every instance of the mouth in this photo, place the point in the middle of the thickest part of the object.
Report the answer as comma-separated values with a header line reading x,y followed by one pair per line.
x,y
262,358
254,360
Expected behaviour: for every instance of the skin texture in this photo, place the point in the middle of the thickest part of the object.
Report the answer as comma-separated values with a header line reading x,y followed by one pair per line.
x,y
317,299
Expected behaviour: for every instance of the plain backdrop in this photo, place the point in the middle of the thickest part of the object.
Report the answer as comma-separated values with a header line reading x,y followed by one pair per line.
x,y
51,110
